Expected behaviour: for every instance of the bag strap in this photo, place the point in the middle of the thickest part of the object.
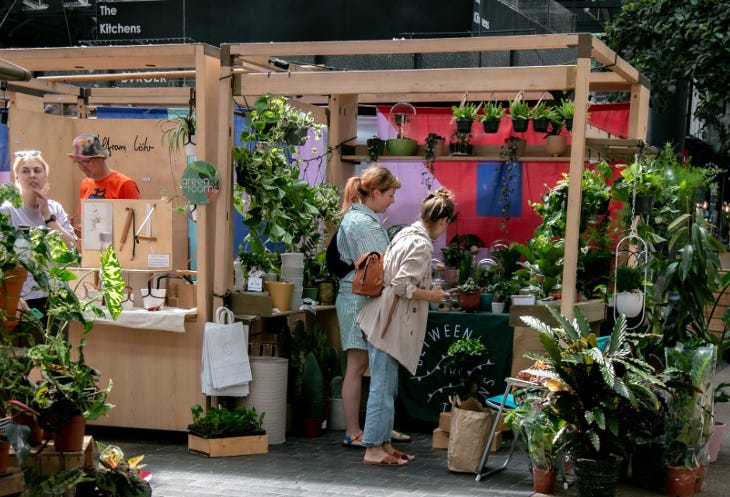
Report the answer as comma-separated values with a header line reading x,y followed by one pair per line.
x,y
224,315
390,316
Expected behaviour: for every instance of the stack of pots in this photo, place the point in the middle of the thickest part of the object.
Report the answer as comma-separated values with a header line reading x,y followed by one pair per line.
x,y
292,271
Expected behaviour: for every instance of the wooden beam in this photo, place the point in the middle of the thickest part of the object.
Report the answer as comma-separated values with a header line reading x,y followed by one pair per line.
x,y
404,46
612,61
116,76
433,81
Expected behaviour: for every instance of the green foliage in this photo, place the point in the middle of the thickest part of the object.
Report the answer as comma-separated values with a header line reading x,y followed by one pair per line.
x,y
542,267
629,278
542,110
468,286
565,109
67,387
115,475
466,110
539,427
602,395
467,359
312,388
675,41
224,422
178,131
518,108
492,110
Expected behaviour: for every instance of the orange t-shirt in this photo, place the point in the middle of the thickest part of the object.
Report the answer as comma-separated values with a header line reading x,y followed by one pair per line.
x,y
116,185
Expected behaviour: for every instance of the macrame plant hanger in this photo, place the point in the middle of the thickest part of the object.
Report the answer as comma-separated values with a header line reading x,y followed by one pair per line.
x,y
632,251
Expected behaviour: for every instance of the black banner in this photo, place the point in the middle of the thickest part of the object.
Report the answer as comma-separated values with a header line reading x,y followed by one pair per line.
x,y
140,20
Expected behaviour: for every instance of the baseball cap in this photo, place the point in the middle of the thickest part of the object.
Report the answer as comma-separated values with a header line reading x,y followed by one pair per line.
x,y
87,145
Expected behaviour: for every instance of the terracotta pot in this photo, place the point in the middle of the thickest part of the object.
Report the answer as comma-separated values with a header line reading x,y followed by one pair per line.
x,y
281,293
681,481
555,145
35,436
10,288
543,480
700,478
69,436
470,301
4,456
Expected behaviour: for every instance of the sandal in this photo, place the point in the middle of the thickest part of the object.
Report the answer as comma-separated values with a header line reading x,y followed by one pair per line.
x,y
402,455
353,442
397,436
387,460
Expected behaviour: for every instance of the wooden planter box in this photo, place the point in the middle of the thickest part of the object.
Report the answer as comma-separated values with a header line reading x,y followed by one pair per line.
x,y
228,446
12,482
45,460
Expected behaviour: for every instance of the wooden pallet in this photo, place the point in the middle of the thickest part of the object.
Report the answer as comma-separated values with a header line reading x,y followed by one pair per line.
x,y
45,460
12,482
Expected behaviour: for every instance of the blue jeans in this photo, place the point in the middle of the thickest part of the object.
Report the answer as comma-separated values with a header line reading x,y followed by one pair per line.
x,y
381,399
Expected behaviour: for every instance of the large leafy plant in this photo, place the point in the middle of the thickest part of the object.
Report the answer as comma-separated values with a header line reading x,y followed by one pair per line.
x,y
467,359
601,394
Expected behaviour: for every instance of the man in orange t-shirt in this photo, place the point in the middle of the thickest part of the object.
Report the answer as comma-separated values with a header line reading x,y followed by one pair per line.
x,y
101,181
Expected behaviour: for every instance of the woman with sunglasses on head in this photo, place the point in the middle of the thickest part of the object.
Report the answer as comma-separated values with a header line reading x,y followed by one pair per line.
x,y
30,173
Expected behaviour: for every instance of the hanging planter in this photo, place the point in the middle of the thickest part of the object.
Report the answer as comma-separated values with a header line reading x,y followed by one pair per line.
x,y
630,278
519,112
491,125
629,303
555,145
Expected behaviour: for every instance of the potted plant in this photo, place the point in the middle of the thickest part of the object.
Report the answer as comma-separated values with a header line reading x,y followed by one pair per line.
x,y
467,360
181,133
336,419
629,283
519,111
69,391
469,295
115,475
600,394
464,115
542,114
400,117
566,108
541,430
492,113
433,147
223,431
376,148
460,143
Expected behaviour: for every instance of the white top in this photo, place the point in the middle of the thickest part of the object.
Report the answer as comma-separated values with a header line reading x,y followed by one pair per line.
x,y
26,216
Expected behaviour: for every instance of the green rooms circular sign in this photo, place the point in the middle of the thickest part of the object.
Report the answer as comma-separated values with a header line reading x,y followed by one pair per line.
x,y
200,182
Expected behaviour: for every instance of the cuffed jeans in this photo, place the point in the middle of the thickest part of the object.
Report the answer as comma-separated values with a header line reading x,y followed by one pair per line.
x,y
380,411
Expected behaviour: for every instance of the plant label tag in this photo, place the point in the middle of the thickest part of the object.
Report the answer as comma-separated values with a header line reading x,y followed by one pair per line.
x,y
255,284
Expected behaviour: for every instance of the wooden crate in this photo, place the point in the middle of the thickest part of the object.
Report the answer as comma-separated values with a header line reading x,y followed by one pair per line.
x,y
12,482
45,460
229,446
440,439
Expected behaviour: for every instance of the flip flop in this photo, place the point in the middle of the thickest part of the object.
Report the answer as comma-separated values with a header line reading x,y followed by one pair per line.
x,y
402,455
387,460
353,442
399,437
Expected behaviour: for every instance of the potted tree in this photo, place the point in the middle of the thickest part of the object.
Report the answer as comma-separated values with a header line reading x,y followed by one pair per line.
x,y
600,394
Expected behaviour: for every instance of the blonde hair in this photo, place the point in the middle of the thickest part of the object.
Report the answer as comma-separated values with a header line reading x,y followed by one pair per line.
x,y
375,177
21,160
438,205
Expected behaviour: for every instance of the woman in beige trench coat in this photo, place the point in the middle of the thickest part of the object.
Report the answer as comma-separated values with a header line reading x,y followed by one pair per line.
x,y
395,322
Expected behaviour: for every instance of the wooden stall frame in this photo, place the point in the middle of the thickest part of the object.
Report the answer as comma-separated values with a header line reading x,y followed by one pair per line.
x,y
155,373
245,72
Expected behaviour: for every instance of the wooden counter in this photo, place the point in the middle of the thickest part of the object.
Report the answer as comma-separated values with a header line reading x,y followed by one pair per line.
x,y
155,374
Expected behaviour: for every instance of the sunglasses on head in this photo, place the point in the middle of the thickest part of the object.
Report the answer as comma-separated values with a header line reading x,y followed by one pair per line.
x,y
27,154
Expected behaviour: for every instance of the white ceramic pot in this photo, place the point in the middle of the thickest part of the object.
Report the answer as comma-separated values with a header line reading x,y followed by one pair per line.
x,y
523,300
629,304
498,307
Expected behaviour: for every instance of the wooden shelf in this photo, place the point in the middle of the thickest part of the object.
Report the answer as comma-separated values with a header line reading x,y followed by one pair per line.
x,y
490,153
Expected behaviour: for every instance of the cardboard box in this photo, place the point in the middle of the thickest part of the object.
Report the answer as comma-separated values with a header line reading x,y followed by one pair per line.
x,y
252,303
445,421
182,294
440,439
46,461
496,442
228,446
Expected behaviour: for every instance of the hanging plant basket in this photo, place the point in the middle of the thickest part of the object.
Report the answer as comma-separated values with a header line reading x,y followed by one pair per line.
x,y
464,125
491,125
519,125
629,303
540,125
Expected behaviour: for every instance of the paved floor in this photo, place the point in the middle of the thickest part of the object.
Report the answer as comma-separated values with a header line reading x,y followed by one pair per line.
x,y
320,467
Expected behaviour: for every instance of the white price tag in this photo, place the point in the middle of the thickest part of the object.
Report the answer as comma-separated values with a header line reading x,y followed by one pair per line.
x,y
255,284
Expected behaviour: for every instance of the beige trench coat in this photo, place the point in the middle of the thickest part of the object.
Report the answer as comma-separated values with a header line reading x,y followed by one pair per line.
x,y
406,267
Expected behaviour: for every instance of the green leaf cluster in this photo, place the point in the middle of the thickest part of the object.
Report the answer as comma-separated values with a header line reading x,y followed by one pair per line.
x,y
465,110
601,395
467,360
224,422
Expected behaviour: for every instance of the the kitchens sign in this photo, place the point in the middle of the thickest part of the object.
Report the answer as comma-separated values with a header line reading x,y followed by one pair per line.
x,y
140,20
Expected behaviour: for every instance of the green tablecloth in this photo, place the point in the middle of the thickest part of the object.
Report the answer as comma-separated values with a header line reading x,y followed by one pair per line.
x,y
426,394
